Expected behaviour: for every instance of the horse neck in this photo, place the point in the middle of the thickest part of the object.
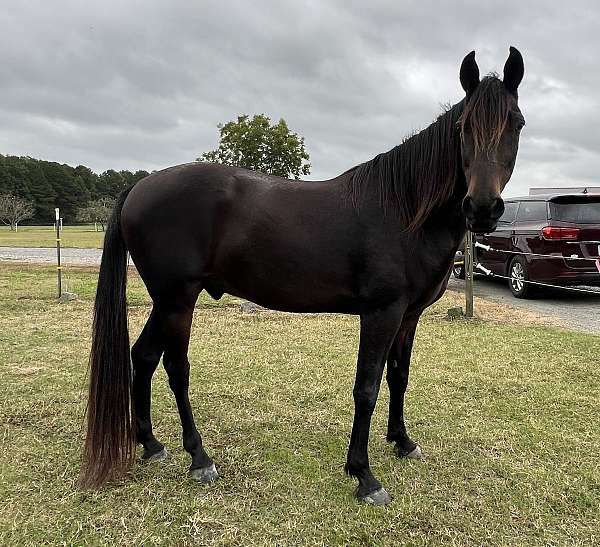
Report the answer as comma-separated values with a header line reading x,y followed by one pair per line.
x,y
449,156
416,178
448,216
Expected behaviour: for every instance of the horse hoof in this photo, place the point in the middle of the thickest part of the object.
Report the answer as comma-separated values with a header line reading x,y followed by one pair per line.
x,y
157,457
205,475
415,454
379,497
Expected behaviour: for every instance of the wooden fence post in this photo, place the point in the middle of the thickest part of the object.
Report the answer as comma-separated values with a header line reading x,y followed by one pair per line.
x,y
469,275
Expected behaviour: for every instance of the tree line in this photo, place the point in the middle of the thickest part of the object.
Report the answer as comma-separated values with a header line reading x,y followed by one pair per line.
x,y
46,185
30,189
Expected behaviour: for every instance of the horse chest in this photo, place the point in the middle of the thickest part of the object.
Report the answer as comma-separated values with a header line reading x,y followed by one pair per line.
x,y
417,274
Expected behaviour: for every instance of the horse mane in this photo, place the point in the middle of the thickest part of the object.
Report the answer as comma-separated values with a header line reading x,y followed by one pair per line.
x,y
420,174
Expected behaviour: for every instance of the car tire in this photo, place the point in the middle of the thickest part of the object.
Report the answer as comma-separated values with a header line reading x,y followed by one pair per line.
x,y
518,271
458,270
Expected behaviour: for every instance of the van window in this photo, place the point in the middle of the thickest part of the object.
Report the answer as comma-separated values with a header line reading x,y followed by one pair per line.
x,y
581,213
531,211
510,212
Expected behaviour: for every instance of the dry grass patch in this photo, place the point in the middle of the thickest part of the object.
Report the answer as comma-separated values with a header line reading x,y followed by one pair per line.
x,y
502,313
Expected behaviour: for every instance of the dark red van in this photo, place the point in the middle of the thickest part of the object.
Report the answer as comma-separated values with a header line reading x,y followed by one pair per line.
x,y
566,226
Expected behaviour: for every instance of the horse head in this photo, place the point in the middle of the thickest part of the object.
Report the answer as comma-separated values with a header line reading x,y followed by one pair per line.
x,y
490,126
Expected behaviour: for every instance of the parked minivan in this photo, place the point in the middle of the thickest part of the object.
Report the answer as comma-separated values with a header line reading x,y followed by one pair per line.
x,y
563,225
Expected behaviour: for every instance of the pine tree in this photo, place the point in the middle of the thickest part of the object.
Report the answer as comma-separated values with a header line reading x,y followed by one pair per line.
x,y
41,191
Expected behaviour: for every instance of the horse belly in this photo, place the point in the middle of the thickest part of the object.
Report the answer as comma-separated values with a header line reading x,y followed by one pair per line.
x,y
284,277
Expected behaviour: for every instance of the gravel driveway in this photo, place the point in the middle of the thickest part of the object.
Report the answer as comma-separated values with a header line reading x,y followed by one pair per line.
x,y
578,311
575,310
85,257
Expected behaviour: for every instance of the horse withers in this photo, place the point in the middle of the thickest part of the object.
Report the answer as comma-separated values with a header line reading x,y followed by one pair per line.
x,y
377,241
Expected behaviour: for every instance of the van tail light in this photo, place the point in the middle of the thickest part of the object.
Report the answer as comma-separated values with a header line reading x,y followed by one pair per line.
x,y
564,234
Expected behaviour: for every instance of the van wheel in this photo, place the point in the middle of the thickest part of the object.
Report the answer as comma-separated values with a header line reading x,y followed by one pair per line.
x,y
519,275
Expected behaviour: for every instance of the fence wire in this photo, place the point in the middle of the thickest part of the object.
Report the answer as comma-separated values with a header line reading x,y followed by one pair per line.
x,y
574,257
489,273
480,268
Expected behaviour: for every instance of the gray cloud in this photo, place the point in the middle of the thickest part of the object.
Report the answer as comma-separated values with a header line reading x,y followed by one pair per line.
x,y
143,84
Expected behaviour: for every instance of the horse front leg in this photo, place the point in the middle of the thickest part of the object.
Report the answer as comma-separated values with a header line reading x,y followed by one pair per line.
x,y
398,364
377,332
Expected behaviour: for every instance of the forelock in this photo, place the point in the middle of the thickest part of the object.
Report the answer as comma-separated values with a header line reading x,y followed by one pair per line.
x,y
486,113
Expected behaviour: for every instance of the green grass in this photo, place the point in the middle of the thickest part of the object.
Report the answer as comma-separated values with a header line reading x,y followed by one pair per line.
x,y
506,413
45,236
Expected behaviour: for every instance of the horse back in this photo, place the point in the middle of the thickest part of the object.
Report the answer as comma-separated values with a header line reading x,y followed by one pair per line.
x,y
286,244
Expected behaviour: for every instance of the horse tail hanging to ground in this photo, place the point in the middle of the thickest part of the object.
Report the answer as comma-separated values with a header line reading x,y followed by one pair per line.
x,y
110,439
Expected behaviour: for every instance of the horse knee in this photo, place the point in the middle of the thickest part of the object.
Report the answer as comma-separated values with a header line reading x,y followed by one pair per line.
x,y
365,400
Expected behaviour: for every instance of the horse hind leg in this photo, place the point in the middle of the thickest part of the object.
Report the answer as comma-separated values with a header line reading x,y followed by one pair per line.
x,y
145,356
176,320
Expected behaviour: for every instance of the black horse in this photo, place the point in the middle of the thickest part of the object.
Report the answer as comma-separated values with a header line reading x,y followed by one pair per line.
x,y
378,241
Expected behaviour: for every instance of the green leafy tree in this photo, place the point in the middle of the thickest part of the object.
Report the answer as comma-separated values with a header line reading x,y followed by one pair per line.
x,y
255,144
89,180
130,178
97,211
111,183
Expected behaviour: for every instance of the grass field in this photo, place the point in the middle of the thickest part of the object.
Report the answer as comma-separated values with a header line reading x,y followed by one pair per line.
x,y
45,236
507,414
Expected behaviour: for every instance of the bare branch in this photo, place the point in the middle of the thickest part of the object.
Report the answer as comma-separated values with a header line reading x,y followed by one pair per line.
x,y
97,211
14,209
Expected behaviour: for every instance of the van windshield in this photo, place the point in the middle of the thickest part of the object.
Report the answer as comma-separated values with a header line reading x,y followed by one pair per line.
x,y
581,213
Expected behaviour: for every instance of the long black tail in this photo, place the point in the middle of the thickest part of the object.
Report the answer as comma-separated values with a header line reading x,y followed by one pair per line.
x,y
110,440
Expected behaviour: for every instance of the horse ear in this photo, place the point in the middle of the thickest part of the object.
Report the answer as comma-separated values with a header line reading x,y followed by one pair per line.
x,y
513,70
469,73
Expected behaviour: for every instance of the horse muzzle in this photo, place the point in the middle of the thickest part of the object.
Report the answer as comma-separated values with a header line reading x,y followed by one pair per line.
x,y
482,215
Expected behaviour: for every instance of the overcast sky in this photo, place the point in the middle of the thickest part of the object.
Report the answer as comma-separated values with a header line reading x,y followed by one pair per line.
x,y
143,84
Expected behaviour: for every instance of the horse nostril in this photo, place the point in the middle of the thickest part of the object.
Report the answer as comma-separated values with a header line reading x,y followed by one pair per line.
x,y
498,208
467,206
